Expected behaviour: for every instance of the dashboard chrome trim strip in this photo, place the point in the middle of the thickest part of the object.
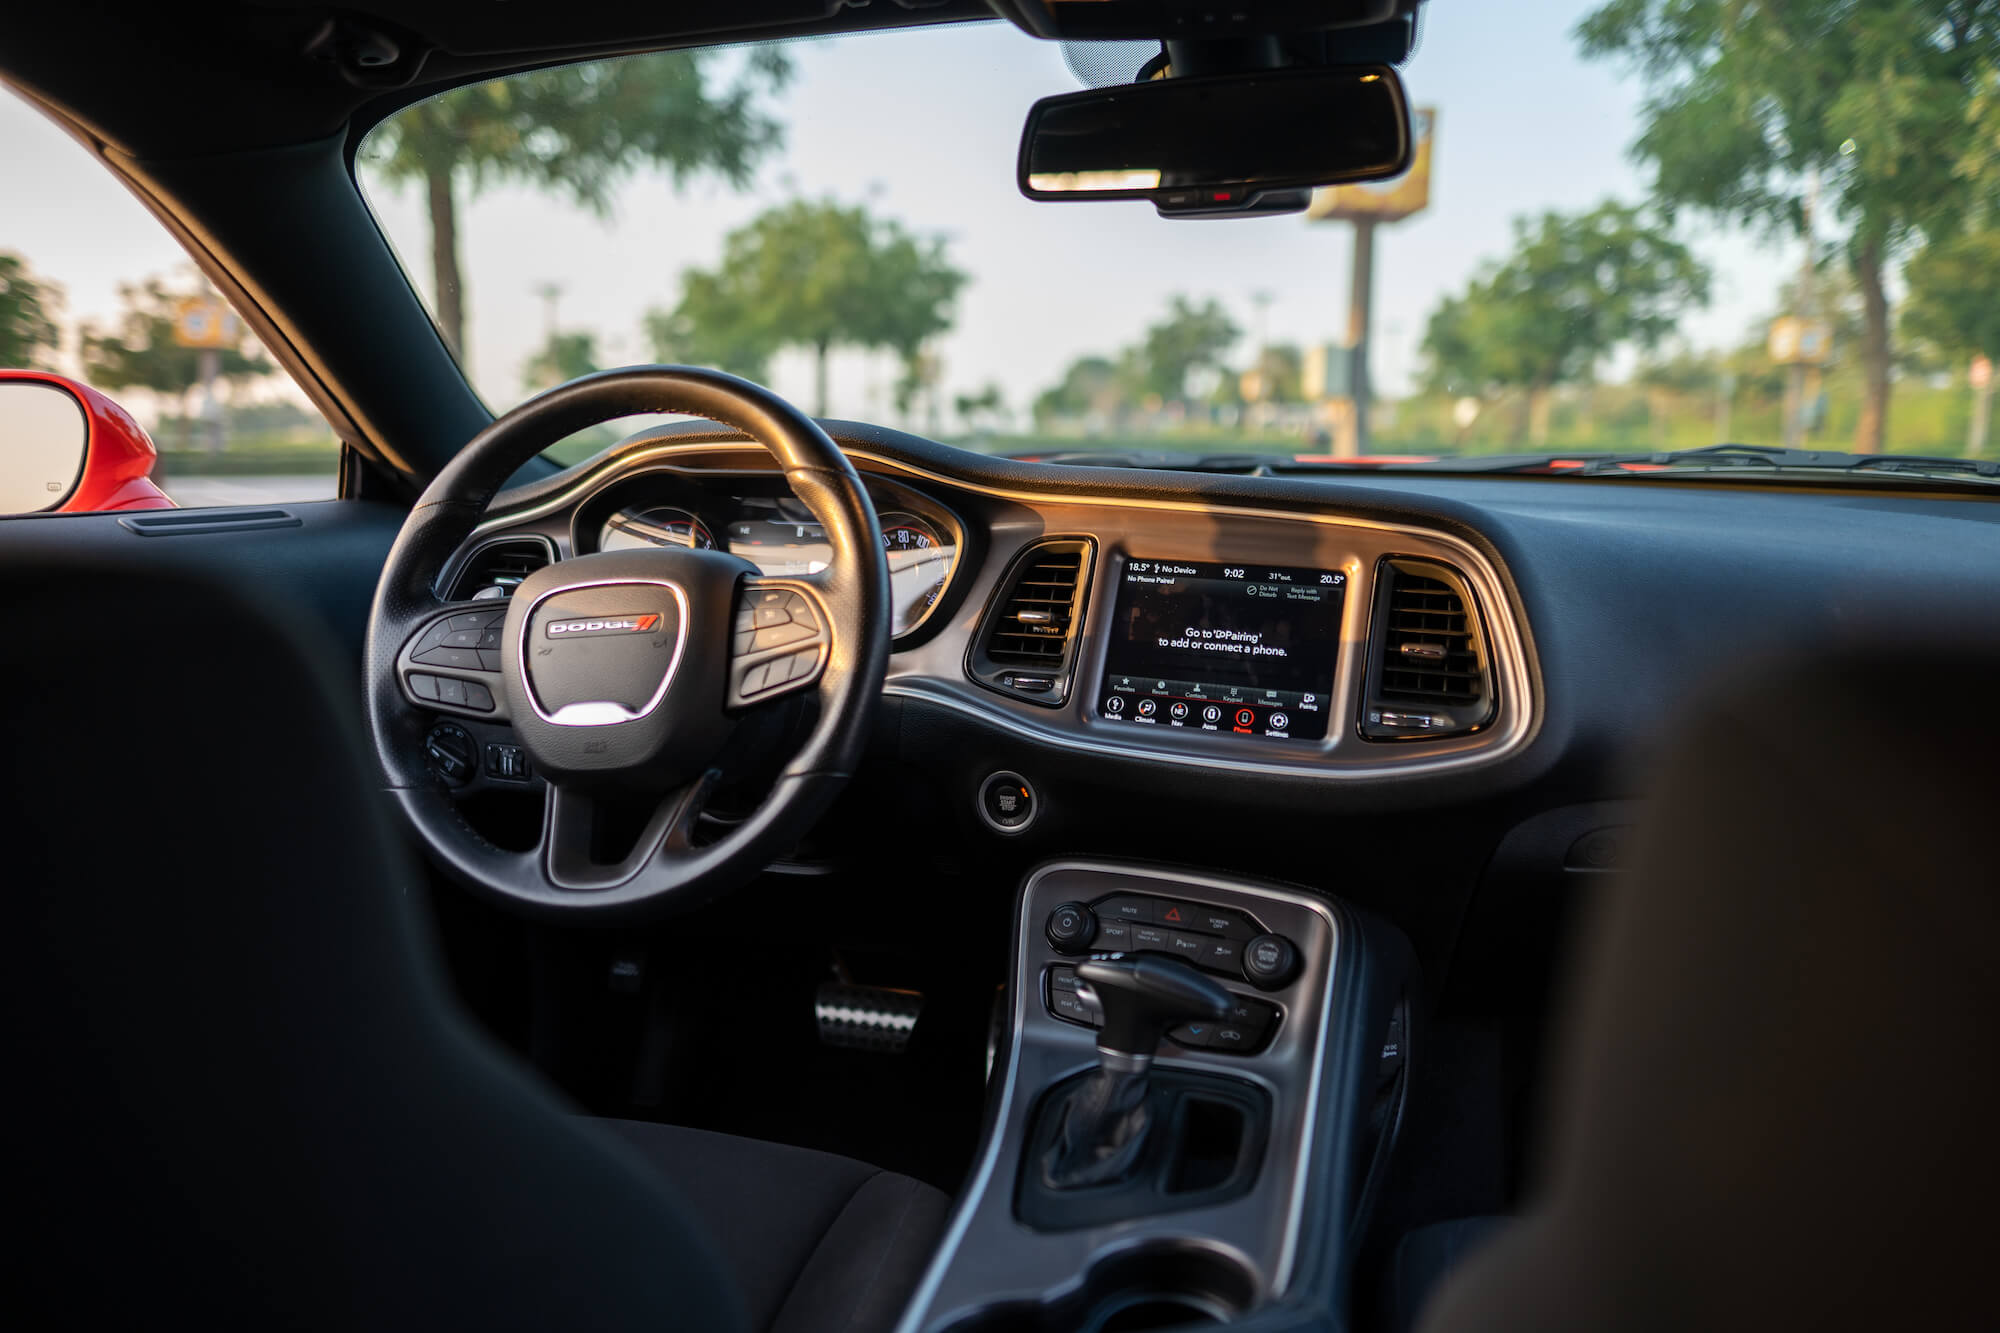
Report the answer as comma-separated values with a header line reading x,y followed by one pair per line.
x,y
1519,712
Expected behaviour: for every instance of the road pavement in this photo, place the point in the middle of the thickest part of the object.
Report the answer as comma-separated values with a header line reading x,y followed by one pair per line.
x,y
204,492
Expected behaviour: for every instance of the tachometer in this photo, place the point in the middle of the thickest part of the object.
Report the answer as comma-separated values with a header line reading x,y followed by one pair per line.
x,y
920,559
636,529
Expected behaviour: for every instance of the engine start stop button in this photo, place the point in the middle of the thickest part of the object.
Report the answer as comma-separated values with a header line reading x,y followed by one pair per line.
x,y
1007,803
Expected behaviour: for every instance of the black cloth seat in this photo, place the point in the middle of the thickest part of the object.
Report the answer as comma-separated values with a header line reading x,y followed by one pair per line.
x,y
239,1094
1777,1095
814,1241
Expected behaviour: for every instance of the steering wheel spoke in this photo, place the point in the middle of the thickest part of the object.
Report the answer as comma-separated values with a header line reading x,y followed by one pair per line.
x,y
576,823
780,641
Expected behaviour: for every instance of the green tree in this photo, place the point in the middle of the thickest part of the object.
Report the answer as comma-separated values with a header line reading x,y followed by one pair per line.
x,y
563,357
1190,338
27,322
1576,288
1091,387
1749,101
142,354
1954,308
577,130
1280,372
988,406
816,275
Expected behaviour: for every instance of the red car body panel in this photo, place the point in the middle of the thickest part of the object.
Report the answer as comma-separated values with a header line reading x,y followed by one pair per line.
x,y
118,454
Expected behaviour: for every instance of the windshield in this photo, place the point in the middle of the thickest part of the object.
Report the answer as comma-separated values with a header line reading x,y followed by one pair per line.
x,y
1624,235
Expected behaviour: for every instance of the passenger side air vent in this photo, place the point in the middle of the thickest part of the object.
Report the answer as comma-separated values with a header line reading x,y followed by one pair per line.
x,y
1026,645
497,568
1428,672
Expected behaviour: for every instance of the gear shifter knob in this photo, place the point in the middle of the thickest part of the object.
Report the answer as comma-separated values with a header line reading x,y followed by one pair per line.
x,y
1142,997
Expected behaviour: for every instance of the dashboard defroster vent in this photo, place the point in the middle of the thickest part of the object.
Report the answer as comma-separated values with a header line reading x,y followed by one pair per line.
x,y
497,568
1428,671
1026,646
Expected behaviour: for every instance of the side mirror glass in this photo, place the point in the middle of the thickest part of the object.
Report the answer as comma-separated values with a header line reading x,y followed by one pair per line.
x,y
44,440
1221,144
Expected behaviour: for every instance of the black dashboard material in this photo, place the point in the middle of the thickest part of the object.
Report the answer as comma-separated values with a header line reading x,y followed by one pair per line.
x,y
1629,592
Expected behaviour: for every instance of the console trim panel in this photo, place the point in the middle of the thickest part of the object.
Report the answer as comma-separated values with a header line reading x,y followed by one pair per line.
x,y
1010,1262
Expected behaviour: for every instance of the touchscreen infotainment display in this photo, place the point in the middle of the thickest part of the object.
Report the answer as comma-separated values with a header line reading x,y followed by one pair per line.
x,y
1243,649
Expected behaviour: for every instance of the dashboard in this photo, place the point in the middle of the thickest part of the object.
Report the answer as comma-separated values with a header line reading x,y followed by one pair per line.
x,y
1282,643
1493,661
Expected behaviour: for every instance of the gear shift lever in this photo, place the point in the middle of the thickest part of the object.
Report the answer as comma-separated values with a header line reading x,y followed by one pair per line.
x,y
1106,1118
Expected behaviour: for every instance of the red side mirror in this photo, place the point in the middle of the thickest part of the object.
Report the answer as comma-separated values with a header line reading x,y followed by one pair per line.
x,y
66,448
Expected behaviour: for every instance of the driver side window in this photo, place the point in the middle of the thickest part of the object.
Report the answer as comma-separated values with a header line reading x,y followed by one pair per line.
x,y
126,382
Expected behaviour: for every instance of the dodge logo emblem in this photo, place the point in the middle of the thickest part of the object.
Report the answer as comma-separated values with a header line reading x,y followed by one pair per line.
x,y
583,629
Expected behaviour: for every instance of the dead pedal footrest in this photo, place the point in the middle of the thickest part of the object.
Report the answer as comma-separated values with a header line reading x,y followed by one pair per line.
x,y
867,1018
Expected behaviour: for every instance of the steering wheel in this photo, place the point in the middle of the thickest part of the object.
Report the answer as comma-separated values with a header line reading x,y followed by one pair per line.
x,y
624,674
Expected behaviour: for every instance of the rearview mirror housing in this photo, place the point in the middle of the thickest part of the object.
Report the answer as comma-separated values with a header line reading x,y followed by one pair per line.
x,y
1097,20
1221,145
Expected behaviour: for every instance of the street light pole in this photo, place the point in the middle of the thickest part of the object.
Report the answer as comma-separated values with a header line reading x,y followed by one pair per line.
x,y
1353,442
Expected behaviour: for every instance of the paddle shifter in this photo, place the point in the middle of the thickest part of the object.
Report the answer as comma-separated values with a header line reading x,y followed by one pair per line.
x,y
1106,1119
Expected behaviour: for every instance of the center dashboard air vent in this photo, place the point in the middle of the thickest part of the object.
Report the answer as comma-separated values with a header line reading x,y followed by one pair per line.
x,y
1428,670
497,568
1027,640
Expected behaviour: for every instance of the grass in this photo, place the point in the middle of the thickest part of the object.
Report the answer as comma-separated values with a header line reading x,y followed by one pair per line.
x,y
249,455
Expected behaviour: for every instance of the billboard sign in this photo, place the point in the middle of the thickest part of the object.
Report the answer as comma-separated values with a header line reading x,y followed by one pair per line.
x,y
1384,201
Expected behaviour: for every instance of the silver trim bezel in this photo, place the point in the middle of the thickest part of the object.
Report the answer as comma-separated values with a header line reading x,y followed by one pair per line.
x,y
1015,1100
602,712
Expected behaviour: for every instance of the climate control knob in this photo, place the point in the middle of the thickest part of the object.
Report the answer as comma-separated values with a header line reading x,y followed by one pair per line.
x,y
1071,927
1270,961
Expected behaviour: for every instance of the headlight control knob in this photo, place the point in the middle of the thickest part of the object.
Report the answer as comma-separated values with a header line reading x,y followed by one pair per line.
x,y
1071,928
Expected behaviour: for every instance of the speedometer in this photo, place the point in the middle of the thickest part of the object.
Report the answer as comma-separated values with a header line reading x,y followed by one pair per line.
x,y
637,529
920,559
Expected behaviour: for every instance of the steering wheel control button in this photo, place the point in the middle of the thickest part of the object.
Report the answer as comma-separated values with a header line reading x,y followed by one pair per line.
x,y
1070,928
479,620
1270,961
424,685
478,696
779,635
451,753
1007,803
451,690
461,659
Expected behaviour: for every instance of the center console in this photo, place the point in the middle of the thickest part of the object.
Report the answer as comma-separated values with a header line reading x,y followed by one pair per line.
x,y
1170,1138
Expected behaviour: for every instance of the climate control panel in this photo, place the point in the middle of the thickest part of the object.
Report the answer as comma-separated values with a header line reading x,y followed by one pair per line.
x,y
1221,940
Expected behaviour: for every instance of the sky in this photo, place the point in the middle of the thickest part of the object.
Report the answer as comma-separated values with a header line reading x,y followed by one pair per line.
x,y
923,126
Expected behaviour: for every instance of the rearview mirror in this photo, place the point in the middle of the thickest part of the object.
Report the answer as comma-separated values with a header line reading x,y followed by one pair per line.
x,y
44,438
1221,144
